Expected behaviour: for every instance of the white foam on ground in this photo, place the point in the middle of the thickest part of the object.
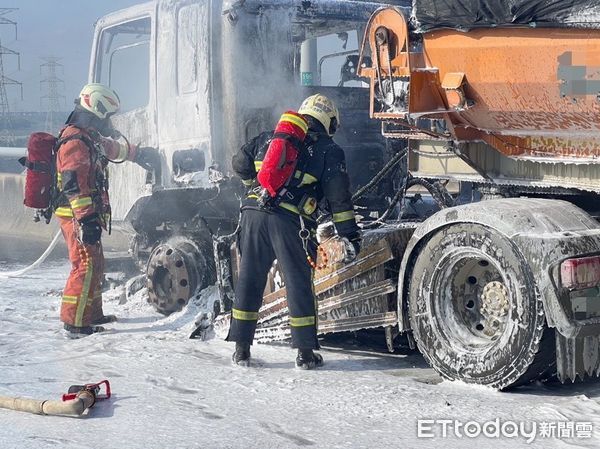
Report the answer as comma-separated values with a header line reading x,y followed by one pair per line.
x,y
173,392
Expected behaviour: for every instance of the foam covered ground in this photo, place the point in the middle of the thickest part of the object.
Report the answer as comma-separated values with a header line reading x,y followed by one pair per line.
x,y
173,392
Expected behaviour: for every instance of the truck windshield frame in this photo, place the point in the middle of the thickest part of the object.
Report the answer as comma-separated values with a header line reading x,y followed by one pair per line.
x,y
330,70
121,48
133,39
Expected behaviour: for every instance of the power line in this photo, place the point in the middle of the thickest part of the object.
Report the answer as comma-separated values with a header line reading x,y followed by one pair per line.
x,y
6,21
53,96
6,131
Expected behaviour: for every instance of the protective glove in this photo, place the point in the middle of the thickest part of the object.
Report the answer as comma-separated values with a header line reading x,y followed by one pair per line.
x,y
351,247
90,229
148,158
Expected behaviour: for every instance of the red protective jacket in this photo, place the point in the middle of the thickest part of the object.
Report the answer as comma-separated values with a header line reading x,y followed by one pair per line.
x,y
82,173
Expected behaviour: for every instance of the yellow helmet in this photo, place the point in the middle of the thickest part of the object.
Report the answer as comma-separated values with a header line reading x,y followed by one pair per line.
x,y
322,109
99,99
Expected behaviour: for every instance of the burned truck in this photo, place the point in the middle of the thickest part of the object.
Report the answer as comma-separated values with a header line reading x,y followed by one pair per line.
x,y
500,286
502,98
471,138
197,79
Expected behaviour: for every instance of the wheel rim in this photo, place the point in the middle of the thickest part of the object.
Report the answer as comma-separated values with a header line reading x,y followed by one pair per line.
x,y
173,275
470,292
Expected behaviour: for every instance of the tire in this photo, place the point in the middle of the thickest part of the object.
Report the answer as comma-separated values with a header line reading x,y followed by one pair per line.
x,y
475,310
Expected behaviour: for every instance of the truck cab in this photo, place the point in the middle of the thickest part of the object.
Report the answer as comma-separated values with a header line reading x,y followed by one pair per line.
x,y
197,79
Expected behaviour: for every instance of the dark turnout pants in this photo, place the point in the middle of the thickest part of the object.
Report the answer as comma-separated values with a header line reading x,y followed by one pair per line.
x,y
265,237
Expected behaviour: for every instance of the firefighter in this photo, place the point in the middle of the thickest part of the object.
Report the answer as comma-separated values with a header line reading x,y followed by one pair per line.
x,y
82,207
269,233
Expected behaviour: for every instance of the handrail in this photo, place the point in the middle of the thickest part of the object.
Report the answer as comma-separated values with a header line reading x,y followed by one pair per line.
x,y
12,152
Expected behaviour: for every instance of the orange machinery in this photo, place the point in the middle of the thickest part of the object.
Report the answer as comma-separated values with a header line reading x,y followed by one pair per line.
x,y
528,92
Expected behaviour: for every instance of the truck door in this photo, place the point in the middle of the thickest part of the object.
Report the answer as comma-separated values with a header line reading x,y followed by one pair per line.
x,y
122,58
183,86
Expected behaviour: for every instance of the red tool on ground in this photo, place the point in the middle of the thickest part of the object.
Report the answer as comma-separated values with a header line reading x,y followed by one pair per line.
x,y
94,389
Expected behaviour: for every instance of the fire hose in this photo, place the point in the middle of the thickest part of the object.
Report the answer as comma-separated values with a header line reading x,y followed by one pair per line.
x,y
34,265
78,399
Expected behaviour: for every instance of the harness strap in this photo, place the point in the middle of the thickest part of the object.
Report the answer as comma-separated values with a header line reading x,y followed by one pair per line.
x,y
292,139
93,152
304,235
43,167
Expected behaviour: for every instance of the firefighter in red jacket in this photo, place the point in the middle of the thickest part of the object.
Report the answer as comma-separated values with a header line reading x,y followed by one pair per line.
x,y
82,205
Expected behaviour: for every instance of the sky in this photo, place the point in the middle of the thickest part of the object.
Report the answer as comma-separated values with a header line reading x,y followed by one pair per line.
x,y
60,28
56,28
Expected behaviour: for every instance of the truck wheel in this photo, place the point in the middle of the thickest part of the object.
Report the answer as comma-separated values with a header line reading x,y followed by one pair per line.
x,y
475,309
176,270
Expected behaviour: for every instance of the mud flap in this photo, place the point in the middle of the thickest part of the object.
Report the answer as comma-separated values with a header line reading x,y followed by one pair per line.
x,y
577,357
223,253
223,262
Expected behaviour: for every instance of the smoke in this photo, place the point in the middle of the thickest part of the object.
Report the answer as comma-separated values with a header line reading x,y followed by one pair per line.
x,y
212,92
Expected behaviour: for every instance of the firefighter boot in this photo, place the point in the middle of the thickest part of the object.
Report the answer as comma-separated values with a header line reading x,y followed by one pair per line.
x,y
241,356
104,319
78,332
308,359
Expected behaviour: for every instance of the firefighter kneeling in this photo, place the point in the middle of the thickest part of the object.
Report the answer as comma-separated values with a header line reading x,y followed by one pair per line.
x,y
84,148
278,221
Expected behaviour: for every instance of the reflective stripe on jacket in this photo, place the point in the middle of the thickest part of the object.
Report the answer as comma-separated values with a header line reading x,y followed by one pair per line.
x,y
320,173
81,173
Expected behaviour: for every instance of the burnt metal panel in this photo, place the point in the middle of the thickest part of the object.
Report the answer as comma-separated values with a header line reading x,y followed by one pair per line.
x,y
353,296
435,159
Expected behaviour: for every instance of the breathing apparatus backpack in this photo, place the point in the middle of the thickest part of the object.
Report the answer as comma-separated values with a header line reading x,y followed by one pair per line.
x,y
41,187
280,160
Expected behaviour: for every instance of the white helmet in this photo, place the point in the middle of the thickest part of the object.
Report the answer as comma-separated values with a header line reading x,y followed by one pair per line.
x,y
99,99
323,109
